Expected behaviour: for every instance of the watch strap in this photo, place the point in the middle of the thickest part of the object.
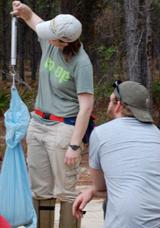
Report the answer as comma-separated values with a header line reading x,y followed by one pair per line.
x,y
74,147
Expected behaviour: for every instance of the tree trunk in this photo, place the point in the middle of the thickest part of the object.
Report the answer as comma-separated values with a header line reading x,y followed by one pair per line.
x,y
33,45
33,56
21,48
48,10
149,46
138,40
5,25
86,12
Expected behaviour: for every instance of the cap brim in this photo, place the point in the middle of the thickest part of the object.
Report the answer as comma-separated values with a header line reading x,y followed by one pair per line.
x,y
44,31
141,115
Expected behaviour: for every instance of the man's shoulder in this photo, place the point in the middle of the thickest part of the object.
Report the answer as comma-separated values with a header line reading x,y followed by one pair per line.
x,y
113,127
110,123
106,128
126,125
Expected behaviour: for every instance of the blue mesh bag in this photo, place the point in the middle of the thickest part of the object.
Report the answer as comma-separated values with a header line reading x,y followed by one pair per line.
x,y
15,194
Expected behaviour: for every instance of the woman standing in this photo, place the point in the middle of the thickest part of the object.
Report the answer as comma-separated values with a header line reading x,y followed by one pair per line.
x,y
62,110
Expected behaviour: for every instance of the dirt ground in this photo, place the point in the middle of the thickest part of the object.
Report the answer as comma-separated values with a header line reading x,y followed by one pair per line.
x,y
84,178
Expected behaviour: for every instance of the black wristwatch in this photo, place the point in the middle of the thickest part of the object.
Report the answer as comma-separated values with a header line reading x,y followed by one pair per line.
x,y
74,147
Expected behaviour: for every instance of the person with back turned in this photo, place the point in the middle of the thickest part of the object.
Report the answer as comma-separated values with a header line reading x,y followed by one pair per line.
x,y
124,158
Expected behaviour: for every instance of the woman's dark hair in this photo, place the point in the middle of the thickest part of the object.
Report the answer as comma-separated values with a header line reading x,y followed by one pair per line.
x,y
72,49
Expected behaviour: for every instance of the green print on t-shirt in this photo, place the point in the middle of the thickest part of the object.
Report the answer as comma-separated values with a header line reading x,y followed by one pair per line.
x,y
58,71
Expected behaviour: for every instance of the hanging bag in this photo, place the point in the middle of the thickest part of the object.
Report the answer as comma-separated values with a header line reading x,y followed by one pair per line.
x,y
15,194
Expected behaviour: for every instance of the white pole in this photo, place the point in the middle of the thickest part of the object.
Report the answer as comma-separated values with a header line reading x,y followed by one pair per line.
x,y
14,41
14,48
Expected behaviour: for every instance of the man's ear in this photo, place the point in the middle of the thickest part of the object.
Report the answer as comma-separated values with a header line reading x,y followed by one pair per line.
x,y
118,107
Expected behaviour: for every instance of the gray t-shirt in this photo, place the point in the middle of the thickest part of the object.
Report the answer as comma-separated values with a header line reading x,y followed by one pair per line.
x,y
60,82
128,152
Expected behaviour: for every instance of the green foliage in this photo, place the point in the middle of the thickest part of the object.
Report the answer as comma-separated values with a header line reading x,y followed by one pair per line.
x,y
4,101
156,90
27,95
103,91
156,22
105,55
48,9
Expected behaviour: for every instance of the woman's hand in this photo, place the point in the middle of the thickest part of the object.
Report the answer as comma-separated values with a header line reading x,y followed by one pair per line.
x,y
71,156
24,12
21,10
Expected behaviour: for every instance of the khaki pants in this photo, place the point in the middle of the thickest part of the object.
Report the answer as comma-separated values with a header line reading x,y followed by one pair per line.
x,y
50,177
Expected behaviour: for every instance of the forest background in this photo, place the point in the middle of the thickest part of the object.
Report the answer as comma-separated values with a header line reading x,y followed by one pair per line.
x,y
122,38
